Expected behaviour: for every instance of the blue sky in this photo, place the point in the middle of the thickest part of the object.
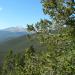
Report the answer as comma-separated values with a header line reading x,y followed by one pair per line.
x,y
20,12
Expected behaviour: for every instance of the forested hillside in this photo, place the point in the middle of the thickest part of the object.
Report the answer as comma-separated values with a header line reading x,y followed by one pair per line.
x,y
18,45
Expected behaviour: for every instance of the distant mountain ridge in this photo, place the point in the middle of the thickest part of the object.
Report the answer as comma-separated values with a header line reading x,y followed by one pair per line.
x,y
16,29
12,32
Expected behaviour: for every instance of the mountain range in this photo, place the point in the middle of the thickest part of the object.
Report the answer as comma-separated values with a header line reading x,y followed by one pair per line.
x,y
12,32
16,29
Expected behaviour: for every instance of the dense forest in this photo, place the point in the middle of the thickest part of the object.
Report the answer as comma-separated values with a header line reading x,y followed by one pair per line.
x,y
56,35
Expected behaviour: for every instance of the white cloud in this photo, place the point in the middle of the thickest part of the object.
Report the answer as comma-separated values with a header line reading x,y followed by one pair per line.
x,y
1,9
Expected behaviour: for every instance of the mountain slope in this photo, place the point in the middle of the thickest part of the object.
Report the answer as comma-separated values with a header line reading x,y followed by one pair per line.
x,y
5,35
12,32
15,29
20,44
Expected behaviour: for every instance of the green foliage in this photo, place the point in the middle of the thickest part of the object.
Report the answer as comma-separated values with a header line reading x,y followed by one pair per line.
x,y
30,27
58,59
63,11
41,26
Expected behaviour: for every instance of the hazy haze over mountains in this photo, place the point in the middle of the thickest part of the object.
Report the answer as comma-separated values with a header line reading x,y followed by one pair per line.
x,y
12,32
16,29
